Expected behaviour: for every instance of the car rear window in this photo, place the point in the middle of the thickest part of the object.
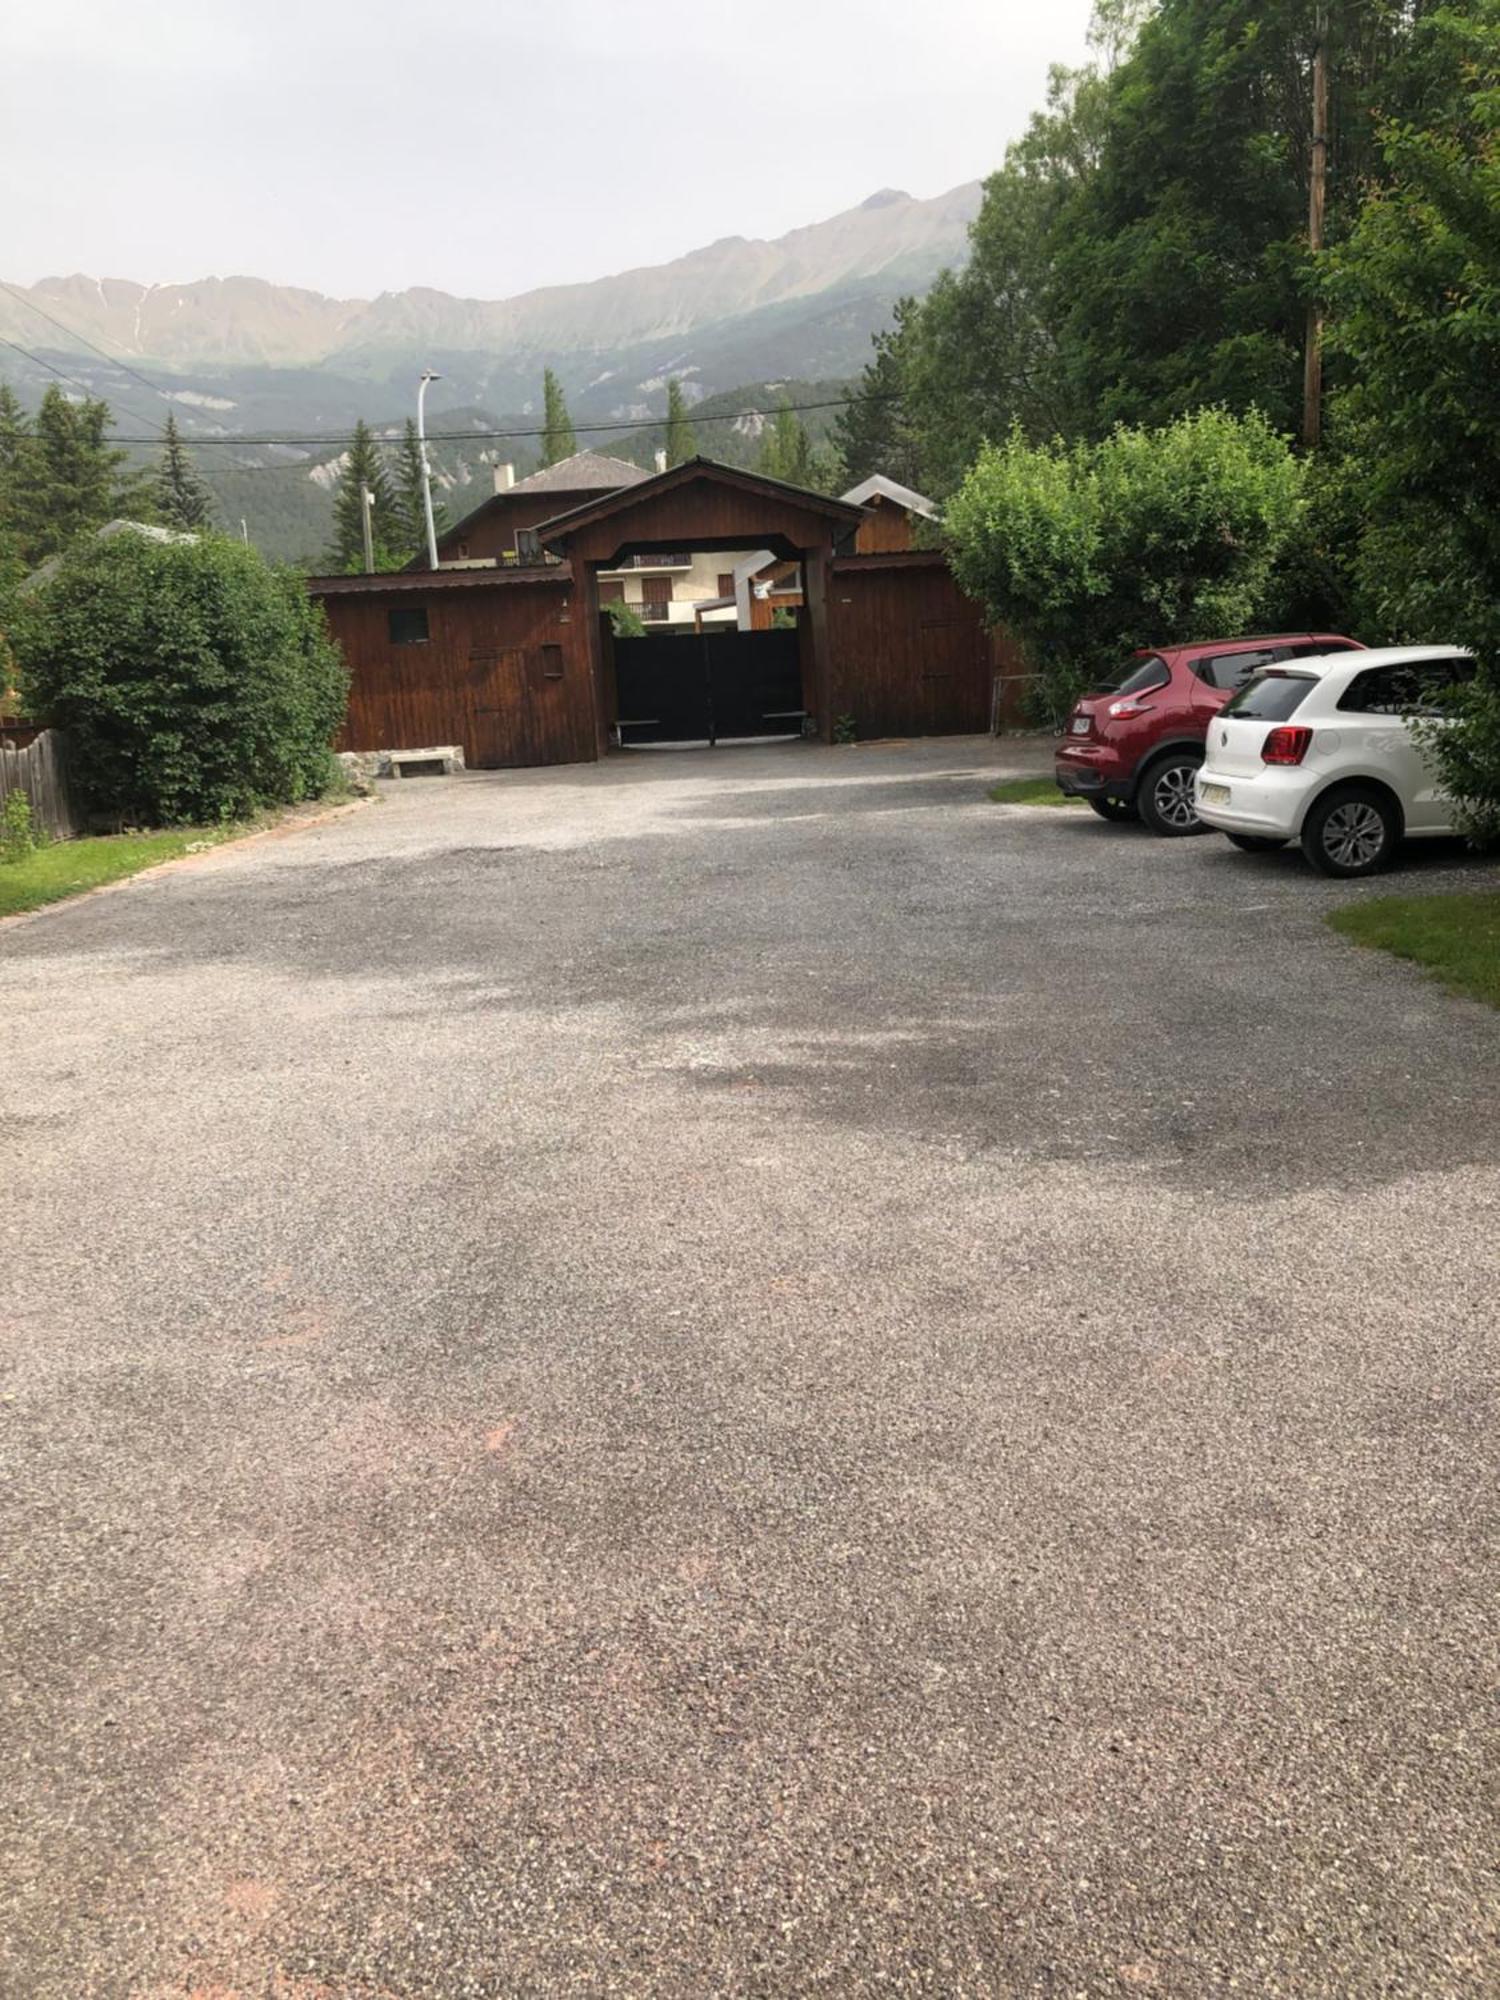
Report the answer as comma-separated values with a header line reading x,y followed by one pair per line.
x,y
1137,676
1270,697
1232,670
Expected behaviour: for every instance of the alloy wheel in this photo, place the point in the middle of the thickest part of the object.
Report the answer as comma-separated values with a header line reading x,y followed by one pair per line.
x,y
1172,795
1353,834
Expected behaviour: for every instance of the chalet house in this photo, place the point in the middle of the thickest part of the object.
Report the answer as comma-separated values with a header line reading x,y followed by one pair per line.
x,y
502,528
505,647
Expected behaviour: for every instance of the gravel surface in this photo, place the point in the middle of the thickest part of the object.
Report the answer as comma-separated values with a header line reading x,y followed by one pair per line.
x,y
739,1373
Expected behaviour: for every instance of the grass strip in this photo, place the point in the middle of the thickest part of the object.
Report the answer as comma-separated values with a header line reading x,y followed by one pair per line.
x,y
1455,938
69,867
1030,792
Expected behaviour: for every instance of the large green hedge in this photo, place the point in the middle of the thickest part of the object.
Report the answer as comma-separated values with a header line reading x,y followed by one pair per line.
x,y
195,681
1086,551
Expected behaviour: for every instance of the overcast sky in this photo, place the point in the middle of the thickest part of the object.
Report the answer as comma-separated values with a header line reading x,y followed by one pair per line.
x,y
340,145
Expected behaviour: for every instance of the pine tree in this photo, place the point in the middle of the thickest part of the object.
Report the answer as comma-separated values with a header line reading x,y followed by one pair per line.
x,y
786,453
408,505
182,499
559,439
17,445
73,480
681,444
364,466
870,433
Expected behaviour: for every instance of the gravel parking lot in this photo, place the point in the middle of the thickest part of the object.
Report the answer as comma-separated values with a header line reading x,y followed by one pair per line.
x,y
740,1373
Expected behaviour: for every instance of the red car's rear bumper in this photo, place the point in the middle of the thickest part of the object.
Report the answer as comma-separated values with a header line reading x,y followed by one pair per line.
x,y
1092,770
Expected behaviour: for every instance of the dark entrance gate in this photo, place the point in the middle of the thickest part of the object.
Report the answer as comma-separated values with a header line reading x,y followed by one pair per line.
x,y
706,687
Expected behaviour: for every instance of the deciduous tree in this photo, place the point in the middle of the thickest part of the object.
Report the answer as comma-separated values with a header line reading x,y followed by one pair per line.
x,y
1087,551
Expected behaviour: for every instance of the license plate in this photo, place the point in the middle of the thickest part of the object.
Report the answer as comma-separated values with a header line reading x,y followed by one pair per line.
x,y
1214,795
1080,725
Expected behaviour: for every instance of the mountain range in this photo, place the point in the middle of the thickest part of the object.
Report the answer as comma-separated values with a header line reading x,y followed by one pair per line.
x,y
736,310
240,357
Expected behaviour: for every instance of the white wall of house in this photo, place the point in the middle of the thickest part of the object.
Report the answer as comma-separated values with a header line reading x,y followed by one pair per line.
x,y
692,585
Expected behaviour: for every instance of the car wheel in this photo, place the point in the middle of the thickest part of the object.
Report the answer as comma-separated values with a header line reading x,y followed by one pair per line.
x,y
1165,795
1352,831
1114,810
1256,843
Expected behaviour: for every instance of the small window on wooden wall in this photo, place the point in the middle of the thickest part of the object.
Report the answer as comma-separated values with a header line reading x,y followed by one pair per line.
x,y
552,663
408,627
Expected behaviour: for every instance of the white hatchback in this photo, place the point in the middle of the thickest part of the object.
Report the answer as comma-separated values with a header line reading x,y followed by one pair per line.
x,y
1322,751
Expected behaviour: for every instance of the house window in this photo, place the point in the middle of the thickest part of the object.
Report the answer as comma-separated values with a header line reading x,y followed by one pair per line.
x,y
552,663
408,627
463,551
726,583
528,545
656,610
611,590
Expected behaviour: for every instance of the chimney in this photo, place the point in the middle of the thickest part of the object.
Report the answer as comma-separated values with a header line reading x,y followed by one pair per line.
x,y
661,458
505,477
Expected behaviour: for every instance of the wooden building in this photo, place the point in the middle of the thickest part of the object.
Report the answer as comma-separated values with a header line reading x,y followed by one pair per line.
x,y
513,659
502,528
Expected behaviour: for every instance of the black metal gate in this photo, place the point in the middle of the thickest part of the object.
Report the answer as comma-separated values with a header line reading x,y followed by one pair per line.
x,y
706,687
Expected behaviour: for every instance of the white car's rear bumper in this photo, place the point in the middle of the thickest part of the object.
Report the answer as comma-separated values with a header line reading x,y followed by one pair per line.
x,y
1269,804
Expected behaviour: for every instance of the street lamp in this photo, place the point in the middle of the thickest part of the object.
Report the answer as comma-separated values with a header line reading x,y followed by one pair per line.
x,y
428,375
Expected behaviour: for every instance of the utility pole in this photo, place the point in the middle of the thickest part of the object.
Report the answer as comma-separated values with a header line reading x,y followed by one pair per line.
x,y
1317,184
428,375
366,510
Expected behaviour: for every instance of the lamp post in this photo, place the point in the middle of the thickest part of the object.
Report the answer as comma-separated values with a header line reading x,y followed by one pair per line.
x,y
428,375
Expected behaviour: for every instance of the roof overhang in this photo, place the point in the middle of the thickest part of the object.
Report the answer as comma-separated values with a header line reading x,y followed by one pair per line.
x,y
408,581
839,514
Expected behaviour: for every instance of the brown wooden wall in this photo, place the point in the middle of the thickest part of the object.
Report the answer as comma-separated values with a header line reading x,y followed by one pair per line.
x,y
885,530
910,654
701,514
504,671
494,532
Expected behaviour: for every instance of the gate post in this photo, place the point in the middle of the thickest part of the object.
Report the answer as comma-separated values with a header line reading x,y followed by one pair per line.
x,y
819,680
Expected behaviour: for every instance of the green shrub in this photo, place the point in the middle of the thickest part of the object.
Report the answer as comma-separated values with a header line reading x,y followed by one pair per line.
x,y
626,620
1146,538
195,681
1465,747
17,835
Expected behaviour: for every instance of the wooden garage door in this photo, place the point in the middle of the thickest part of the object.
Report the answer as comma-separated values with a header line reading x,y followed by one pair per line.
x,y
911,654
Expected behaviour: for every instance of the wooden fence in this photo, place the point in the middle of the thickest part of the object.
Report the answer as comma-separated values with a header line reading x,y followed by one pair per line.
x,y
39,768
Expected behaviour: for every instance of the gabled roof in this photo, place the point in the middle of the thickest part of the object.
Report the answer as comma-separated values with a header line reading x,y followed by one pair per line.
x,y
584,472
878,486
682,475
148,531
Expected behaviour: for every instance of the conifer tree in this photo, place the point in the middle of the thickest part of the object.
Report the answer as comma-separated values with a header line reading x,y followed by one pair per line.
x,y
73,480
364,465
681,444
559,439
182,499
407,500
17,444
786,453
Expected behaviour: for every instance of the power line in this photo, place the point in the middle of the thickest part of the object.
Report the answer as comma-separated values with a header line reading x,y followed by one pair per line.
x,y
74,382
84,341
480,436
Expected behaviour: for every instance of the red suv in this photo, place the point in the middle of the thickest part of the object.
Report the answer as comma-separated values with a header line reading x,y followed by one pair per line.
x,y
1131,747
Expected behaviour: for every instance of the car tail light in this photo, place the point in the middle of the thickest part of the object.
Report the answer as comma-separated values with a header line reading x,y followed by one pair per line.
x,y
1130,706
1287,745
